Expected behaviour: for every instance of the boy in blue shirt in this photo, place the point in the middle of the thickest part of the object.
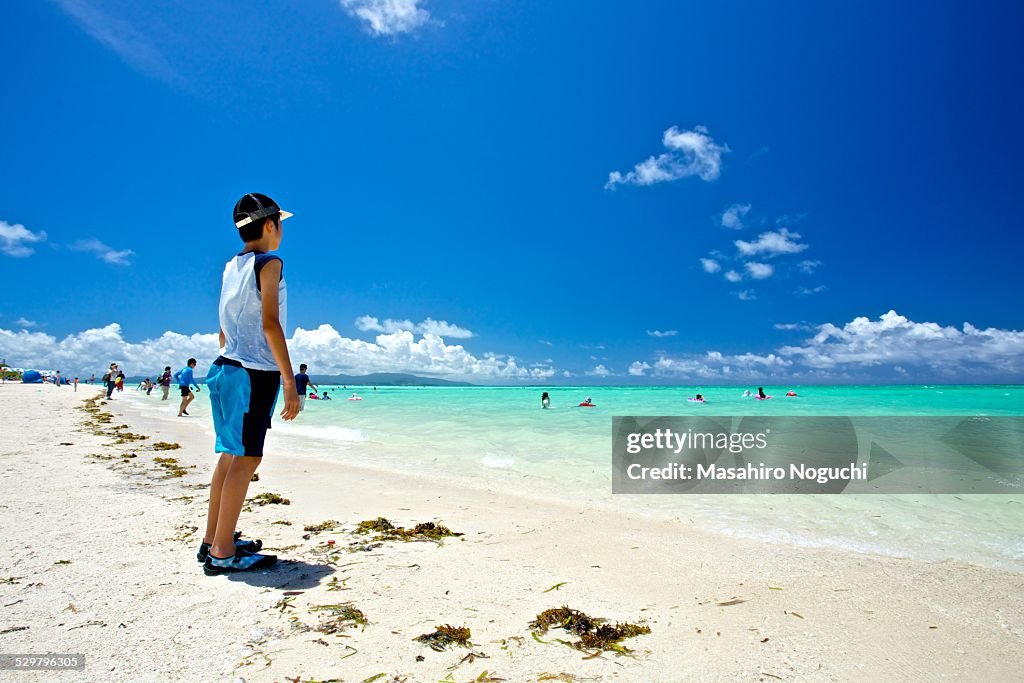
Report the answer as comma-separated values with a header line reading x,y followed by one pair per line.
x,y
185,383
245,380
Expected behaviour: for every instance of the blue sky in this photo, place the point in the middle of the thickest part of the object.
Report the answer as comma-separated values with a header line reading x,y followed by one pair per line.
x,y
454,163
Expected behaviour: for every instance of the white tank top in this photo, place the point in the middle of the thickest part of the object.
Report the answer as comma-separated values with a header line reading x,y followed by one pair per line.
x,y
241,310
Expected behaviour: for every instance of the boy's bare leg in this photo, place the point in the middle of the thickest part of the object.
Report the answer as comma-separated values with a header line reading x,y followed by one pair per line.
x,y
232,496
220,472
184,404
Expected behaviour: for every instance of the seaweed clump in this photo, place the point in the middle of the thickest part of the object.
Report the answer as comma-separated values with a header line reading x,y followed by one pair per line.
x,y
166,446
444,636
340,617
386,531
326,525
270,499
171,467
594,633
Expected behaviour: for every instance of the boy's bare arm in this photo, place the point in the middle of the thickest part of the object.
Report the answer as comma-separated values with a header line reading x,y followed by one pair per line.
x,y
270,276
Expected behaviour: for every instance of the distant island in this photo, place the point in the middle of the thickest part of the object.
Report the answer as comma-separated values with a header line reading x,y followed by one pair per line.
x,y
387,379
378,379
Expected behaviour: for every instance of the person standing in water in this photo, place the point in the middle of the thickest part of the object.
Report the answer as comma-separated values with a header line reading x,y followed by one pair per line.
x,y
185,383
165,382
545,400
301,382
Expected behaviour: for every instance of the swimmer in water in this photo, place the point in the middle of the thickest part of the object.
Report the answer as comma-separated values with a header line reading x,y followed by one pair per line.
x,y
545,400
699,397
325,397
760,392
747,393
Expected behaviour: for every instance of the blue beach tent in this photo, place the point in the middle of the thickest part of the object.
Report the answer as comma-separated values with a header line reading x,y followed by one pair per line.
x,y
31,377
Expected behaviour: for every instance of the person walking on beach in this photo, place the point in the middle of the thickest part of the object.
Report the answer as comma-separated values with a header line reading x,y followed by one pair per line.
x,y
185,382
76,385
301,382
56,378
111,379
165,382
245,380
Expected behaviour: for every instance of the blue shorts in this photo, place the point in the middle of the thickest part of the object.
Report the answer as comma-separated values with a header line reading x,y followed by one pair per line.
x,y
242,401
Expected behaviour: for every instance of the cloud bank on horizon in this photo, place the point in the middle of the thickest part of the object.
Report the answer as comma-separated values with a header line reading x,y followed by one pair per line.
x,y
860,350
324,349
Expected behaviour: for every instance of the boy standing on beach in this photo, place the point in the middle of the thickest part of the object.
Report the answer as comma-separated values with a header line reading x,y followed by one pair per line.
x,y
185,383
245,380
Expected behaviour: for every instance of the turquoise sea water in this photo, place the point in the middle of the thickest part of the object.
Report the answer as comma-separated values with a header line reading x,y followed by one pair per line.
x,y
500,437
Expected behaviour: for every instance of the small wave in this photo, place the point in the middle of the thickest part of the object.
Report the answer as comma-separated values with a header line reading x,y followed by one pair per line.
x,y
498,461
327,432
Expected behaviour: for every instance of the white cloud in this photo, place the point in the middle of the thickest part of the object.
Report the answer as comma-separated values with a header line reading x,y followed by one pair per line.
x,y
807,291
895,340
691,153
662,333
733,276
710,265
808,266
24,322
600,371
638,368
746,295
715,364
324,349
772,243
732,218
104,253
789,219
793,326
130,44
388,17
15,238
440,328
93,350
760,271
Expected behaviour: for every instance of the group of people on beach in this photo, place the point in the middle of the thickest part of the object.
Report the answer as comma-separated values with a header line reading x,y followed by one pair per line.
x,y
114,380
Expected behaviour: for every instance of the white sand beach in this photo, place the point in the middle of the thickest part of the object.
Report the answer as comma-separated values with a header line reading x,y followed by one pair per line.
x,y
97,557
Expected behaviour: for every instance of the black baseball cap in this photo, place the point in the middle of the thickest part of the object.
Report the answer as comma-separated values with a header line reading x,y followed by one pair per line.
x,y
255,206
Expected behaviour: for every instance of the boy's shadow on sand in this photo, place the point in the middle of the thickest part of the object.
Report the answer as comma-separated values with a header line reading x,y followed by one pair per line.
x,y
286,575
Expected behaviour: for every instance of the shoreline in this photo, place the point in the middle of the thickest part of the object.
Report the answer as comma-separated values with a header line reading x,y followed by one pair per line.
x,y
822,613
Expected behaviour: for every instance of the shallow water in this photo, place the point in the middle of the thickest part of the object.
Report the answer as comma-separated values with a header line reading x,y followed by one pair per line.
x,y
500,437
